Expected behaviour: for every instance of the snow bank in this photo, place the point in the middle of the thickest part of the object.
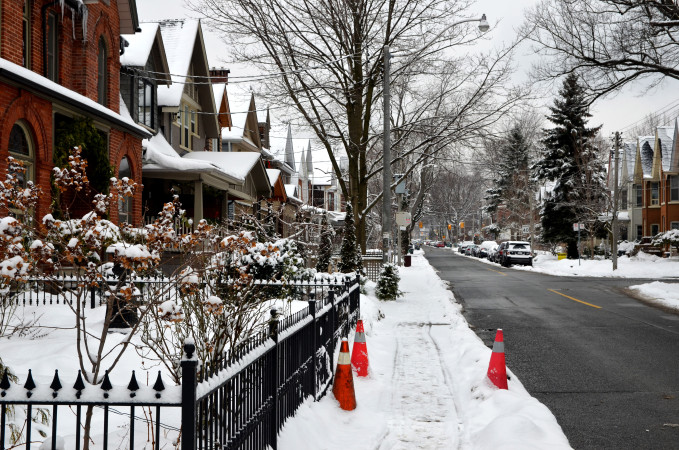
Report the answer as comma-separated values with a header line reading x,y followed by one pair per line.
x,y
427,386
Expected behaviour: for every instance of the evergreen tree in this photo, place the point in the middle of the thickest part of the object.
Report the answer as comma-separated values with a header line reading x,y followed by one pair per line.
x,y
569,159
512,185
387,284
325,250
349,256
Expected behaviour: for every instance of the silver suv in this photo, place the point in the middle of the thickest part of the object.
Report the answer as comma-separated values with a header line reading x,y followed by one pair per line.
x,y
515,252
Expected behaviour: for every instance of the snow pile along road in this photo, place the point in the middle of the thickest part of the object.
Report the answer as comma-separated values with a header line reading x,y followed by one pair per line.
x,y
427,386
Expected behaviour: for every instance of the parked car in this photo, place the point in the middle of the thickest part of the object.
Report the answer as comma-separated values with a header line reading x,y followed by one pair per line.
x,y
469,250
485,247
463,246
440,244
515,252
492,254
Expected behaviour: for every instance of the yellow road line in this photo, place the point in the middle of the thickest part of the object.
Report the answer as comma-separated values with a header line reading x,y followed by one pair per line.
x,y
497,271
574,299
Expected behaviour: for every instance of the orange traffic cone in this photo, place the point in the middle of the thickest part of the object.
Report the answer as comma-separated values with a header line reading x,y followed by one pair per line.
x,y
343,387
497,372
359,354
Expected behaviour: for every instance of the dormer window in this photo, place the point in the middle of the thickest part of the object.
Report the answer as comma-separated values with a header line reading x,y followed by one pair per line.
x,y
102,73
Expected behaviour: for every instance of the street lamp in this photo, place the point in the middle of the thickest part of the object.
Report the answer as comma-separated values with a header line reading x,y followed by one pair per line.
x,y
386,171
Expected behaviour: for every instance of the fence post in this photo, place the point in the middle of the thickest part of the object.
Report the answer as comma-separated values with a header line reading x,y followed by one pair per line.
x,y
331,350
189,366
273,373
314,343
357,293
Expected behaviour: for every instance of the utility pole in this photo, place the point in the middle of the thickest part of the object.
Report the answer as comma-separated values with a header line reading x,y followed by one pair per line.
x,y
616,191
386,159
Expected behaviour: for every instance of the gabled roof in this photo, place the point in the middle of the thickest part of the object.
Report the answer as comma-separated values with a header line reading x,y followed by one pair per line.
x,y
674,155
140,48
646,145
277,186
290,150
244,125
222,102
629,153
662,150
184,46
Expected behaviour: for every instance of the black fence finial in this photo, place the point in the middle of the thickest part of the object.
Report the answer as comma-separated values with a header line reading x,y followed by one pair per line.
x,y
30,384
133,386
106,384
56,384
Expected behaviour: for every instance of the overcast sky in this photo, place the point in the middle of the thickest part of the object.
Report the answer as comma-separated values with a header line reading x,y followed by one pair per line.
x,y
614,113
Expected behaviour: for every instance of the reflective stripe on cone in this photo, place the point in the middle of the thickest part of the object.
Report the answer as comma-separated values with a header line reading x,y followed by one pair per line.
x,y
359,354
497,370
343,387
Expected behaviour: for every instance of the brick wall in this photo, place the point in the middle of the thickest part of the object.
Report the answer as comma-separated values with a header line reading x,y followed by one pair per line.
x,y
77,70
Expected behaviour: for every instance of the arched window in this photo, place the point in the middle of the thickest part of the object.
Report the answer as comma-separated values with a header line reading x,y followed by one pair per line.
x,y
124,203
102,73
21,148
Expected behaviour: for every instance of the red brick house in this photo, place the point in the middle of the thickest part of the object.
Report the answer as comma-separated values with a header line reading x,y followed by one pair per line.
x,y
60,61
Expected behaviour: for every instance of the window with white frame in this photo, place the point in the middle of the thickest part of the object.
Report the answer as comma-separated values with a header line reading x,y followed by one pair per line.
x,y
147,103
655,193
674,188
21,149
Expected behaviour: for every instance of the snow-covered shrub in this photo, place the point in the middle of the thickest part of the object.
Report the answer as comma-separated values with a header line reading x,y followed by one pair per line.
x,y
221,301
387,284
667,239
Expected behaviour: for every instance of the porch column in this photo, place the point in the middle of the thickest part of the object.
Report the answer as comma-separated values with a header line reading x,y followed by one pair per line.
x,y
197,201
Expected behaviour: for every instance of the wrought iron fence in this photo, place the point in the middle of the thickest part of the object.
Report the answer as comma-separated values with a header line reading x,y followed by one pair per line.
x,y
239,402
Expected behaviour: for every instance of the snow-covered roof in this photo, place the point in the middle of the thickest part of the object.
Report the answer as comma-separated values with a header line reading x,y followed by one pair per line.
x,y
159,154
179,37
218,90
141,43
646,144
322,177
291,192
666,138
239,115
235,164
59,93
273,175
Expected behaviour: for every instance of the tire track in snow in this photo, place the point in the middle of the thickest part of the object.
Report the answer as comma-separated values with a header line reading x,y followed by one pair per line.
x,y
422,406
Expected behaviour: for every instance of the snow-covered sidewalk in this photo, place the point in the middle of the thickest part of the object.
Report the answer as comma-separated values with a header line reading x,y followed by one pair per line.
x,y
427,387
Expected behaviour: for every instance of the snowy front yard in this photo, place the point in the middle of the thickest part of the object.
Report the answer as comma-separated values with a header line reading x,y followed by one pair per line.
x,y
427,386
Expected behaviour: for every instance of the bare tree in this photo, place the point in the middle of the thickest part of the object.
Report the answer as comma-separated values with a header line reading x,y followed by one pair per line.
x,y
608,43
327,57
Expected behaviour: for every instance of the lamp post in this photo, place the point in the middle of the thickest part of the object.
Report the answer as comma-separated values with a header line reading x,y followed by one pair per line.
x,y
386,136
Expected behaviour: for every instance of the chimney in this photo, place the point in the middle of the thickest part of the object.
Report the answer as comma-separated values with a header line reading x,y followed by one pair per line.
x,y
219,75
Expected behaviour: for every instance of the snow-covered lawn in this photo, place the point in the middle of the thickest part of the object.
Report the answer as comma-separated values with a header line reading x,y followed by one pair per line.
x,y
427,386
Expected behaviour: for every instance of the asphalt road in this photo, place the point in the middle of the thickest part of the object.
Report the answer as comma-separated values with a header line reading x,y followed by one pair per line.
x,y
605,364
